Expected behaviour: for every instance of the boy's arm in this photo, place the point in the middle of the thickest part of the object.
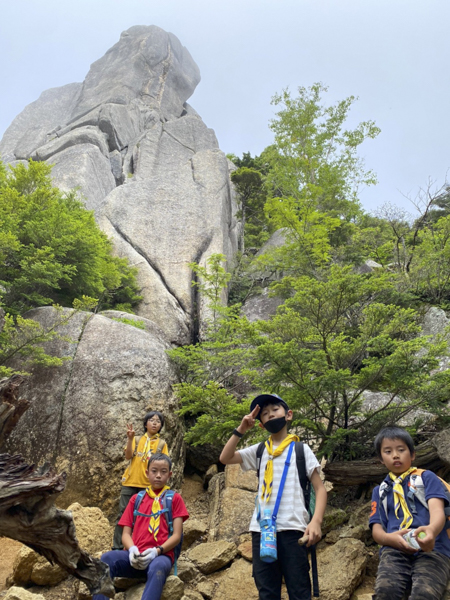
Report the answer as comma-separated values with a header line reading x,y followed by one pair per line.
x,y
314,529
175,538
130,438
394,539
434,528
229,456
127,540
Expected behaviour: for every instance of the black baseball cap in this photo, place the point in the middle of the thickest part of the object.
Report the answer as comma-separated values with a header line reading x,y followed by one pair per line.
x,y
263,399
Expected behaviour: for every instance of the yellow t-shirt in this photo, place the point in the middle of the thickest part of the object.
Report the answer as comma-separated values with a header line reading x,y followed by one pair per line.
x,y
134,475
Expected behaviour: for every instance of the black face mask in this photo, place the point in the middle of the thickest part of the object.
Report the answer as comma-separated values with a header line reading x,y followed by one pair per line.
x,y
275,425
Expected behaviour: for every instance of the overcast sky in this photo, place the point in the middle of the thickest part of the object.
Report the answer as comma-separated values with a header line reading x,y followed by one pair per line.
x,y
392,54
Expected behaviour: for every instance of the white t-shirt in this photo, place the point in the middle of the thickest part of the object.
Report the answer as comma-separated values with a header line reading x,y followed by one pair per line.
x,y
292,513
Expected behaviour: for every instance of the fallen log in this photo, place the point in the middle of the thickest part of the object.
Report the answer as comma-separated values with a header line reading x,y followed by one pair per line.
x,y
360,472
28,515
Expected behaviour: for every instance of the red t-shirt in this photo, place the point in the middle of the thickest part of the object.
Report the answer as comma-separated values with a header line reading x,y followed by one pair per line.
x,y
142,538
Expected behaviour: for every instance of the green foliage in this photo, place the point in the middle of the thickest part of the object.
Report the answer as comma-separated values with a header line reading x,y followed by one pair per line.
x,y
314,159
51,249
340,334
332,341
210,282
430,271
138,324
22,339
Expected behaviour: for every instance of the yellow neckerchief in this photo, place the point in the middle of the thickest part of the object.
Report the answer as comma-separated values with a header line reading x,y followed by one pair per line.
x,y
148,442
399,498
153,525
268,473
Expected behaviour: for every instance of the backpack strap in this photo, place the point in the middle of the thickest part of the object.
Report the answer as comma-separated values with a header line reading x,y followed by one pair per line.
x,y
302,475
259,453
167,504
137,504
160,446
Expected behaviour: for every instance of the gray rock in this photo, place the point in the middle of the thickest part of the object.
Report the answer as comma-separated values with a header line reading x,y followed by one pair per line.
x,y
376,400
261,307
193,530
115,158
18,593
212,556
148,63
120,123
341,568
83,135
435,321
129,125
78,412
368,267
161,224
34,125
85,168
441,441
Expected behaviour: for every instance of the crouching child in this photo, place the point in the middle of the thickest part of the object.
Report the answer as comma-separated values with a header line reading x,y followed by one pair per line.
x,y
280,496
148,544
409,499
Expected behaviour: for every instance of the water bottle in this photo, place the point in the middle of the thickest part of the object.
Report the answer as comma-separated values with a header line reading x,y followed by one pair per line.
x,y
411,540
268,546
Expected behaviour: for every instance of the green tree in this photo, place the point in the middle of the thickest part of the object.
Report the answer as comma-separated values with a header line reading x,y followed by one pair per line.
x,y
211,390
430,271
336,339
51,249
314,159
22,341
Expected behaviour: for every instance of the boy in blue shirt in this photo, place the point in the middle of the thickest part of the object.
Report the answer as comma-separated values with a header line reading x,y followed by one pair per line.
x,y
426,571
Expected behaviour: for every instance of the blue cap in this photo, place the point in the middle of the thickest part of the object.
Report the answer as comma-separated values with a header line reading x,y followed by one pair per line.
x,y
263,399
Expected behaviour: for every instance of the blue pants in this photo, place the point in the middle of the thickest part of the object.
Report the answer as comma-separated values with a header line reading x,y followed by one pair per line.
x,y
156,573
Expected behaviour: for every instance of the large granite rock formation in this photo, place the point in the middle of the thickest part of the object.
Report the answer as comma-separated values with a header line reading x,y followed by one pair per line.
x,y
78,412
144,161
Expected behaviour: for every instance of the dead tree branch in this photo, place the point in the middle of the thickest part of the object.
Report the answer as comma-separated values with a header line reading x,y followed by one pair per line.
x,y
28,515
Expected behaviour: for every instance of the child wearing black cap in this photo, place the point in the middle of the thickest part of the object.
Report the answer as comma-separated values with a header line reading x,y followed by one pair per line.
x,y
292,518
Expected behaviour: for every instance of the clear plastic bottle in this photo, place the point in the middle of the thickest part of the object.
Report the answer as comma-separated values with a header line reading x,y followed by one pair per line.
x,y
268,545
410,539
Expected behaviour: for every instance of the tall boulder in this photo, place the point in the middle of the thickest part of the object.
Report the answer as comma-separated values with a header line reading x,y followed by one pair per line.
x,y
78,412
144,162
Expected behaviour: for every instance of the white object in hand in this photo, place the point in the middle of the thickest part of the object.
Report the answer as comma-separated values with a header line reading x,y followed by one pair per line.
x,y
411,540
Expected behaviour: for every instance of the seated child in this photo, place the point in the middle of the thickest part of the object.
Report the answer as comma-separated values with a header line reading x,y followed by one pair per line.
x,y
292,520
148,549
134,478
401,566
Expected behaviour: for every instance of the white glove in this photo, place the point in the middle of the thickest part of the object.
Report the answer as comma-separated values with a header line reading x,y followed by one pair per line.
x,y
134,555
147,556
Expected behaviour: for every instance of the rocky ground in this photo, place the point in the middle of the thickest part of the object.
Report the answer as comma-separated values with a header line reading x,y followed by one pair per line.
x,y
210,568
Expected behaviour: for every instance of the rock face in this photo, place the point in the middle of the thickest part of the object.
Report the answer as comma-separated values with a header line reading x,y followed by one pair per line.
x,y
341,569
145,162
78,412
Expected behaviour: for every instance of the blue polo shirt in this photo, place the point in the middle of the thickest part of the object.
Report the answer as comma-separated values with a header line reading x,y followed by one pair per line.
x,y
433,489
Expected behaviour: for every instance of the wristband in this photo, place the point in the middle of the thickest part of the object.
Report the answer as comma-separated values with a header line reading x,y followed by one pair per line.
x,y
238,433
161,549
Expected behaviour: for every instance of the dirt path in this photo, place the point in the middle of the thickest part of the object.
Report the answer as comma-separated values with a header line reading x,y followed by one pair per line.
x,y
8,550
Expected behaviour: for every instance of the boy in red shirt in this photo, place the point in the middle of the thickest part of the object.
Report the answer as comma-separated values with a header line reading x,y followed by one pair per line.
x,y
148,549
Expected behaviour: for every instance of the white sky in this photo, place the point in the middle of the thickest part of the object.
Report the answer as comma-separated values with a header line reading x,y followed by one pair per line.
x,y
392,54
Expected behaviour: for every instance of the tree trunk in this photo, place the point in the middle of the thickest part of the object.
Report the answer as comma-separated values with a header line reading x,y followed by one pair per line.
x,y
28,515
358,472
